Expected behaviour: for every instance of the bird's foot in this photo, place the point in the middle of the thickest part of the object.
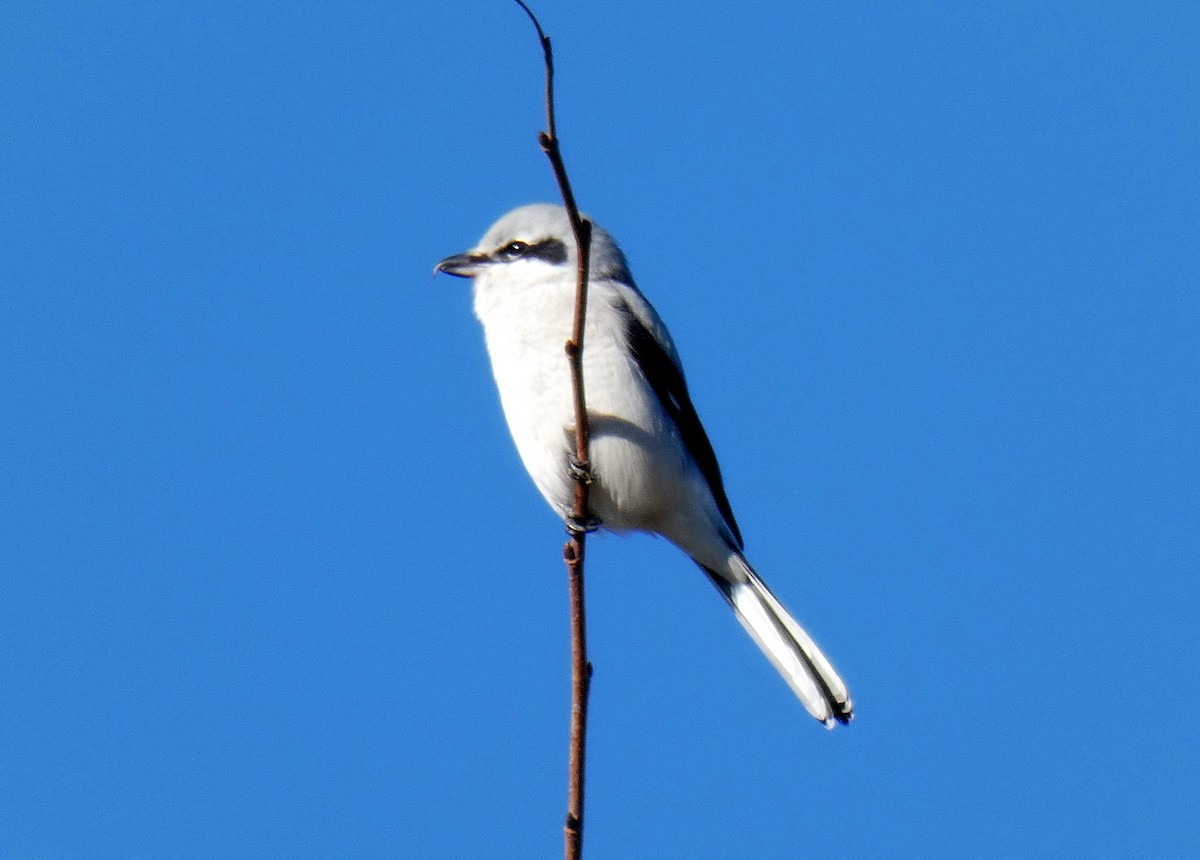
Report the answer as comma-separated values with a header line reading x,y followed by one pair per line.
x,y
579,471
577,526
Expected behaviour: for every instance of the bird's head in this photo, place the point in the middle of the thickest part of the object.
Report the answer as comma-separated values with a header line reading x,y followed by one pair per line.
x,y
536,241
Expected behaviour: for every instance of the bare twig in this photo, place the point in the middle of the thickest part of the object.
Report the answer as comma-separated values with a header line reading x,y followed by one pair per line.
x,y
573,550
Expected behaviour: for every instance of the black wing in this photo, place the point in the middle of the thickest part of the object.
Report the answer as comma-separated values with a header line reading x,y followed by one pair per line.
x,y
667,382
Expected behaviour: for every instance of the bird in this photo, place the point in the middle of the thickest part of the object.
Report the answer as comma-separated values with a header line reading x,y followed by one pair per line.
x,y
652,466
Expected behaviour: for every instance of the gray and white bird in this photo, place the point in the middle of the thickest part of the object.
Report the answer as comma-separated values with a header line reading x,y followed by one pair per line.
x,y
653,465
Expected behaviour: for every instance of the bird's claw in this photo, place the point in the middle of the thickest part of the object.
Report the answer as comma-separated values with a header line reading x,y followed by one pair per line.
x,y
577,526
579,470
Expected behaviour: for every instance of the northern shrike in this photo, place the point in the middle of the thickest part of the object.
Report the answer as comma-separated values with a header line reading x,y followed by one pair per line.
x,y
654,468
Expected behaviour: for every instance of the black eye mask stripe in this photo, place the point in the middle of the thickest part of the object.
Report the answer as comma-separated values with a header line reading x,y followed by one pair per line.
x,y
550,250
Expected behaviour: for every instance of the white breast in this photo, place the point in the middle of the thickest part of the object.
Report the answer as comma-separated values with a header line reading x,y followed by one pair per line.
x,y
637,456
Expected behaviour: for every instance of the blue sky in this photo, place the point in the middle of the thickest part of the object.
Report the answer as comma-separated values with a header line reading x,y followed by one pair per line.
x,y
275,584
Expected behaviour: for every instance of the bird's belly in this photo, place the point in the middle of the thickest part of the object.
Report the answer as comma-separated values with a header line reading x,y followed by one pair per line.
x,y
637,459
637,476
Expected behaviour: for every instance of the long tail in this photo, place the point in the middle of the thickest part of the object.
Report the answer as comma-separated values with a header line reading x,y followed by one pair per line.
x,y
789,648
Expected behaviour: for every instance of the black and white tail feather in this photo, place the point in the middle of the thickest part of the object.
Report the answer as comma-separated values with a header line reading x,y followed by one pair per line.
x,y
787,645
654,467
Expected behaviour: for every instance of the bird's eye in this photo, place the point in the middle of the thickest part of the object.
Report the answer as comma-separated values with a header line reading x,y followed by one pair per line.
x,y
513,250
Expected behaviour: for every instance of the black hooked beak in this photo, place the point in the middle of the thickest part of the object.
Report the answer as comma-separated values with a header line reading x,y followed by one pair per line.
x,y
462,265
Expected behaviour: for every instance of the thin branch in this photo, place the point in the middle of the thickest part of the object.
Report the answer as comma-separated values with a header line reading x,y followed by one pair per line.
x,y
551,131
573,550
